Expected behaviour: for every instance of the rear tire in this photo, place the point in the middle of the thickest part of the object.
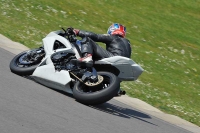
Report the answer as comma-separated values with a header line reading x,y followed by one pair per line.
x,y
91,97
19,70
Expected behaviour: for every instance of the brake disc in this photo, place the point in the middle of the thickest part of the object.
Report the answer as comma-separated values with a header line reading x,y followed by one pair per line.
x,y
88,83
100,80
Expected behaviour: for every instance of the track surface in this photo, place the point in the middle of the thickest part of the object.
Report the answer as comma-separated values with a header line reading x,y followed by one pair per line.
x,y
28,107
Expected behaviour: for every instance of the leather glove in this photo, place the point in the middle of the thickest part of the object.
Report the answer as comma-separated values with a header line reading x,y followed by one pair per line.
x,y
76,31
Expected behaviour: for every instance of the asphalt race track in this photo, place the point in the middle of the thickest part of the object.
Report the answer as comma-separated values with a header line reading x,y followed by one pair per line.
x,y
28,107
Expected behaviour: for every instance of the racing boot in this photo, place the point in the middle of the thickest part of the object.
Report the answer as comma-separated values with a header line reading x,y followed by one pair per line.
x,y
85,61
86,58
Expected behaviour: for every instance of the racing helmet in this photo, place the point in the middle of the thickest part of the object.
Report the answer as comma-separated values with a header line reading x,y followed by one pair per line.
x,y
117,29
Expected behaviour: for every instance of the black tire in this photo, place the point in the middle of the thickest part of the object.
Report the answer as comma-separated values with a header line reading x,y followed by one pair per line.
x,y
22,71
99,96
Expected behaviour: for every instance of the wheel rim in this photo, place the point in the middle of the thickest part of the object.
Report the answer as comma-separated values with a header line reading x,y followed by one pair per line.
x,y
92,89
26,60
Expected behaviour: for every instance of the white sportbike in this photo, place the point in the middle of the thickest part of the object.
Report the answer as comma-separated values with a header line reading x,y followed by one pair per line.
x,y
55,65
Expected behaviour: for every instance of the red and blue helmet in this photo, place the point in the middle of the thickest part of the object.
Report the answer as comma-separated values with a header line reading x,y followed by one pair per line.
x,y
117,29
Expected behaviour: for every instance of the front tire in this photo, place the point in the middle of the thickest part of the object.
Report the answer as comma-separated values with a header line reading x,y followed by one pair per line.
x,y
97,95
23,70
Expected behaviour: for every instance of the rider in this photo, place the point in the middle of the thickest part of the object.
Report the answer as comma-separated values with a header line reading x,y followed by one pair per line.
x,y
116,44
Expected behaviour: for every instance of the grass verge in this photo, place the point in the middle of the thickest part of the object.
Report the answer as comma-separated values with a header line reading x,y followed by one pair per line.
x,y
164,36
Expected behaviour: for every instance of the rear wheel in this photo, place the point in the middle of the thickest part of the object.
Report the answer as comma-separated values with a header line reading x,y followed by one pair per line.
x,y
26,62
100,93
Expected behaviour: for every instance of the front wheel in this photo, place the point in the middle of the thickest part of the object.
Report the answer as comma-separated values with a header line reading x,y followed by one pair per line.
x,y
97,94
26,62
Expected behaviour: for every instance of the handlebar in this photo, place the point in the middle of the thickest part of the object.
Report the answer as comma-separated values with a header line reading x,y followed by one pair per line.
x,y
69,33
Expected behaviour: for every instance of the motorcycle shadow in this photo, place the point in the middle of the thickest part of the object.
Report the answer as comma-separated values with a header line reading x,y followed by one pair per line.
x,y
111,108
122,112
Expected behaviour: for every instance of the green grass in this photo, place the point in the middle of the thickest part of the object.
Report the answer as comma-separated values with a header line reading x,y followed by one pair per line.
x,y
164,36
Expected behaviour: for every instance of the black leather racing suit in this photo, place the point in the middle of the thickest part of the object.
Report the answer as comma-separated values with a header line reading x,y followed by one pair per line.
x,y
115,45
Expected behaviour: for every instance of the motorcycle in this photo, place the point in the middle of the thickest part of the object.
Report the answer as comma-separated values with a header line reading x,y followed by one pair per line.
x,y
55,65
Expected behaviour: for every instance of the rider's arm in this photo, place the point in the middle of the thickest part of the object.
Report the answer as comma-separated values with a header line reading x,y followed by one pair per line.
x,y
105,38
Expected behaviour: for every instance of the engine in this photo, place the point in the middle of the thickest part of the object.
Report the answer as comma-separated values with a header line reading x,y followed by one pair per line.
x,y
61,60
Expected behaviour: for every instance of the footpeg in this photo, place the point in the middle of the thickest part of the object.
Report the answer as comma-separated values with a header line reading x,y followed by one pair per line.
x,y
121,92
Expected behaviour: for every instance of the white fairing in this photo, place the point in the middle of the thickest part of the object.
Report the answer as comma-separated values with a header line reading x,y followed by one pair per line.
x,y
49,40
48,72
45,73
129,70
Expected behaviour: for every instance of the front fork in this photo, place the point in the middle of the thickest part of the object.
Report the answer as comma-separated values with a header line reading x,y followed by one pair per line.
x,y
36,54
33,52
